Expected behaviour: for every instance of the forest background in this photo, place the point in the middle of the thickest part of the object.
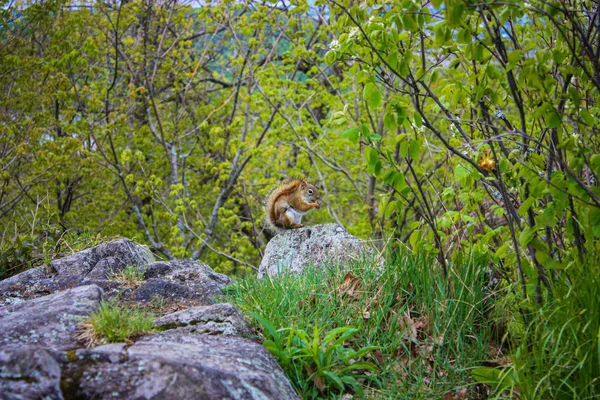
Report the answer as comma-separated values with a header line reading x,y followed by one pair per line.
x,y
461,129
442,125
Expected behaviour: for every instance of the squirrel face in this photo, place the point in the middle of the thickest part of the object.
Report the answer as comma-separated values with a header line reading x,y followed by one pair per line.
x,y
310,193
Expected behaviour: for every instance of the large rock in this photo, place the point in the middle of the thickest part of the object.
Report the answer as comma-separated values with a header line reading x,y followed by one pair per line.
x,y
319,245
100,261
185,282
28,372
50,321
219,319
176,365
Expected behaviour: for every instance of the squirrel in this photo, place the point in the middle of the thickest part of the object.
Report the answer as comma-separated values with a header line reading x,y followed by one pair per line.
x,y
289,202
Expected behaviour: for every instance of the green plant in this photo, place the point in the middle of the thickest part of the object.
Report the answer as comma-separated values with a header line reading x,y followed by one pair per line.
x,y
318,365
130,276
113,323
558,354
430,334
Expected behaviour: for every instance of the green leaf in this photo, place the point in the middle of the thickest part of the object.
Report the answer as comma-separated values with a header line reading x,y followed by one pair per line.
x,y
554,119
389,208
404,149
417,120
330,57
368,90
587,117
409,22
414,149
526,236
390,121
392,59
454,13
352,134
526,205
360,365
489,376
375,99
502,251
400,181
414,239
330,376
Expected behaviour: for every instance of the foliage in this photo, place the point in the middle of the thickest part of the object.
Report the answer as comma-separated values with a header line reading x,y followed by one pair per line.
x,y
113,323
558,356
24,251
429,335
318,366
482,131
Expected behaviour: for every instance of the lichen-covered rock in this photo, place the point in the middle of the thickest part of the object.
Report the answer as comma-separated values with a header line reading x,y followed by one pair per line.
x,y
28,372
185,282
50,321
295,249
193,274
218,319
99,261
18,287
177,365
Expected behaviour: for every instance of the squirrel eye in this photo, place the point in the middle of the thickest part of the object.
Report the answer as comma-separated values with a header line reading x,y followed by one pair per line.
x,y
310,191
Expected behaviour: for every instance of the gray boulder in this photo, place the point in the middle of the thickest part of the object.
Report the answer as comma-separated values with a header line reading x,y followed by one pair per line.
x,y
28,372
185,282
50,321
99,261
219,319
319,245
178,365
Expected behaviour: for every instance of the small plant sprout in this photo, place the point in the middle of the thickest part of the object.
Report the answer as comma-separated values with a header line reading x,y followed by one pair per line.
x,y
129,276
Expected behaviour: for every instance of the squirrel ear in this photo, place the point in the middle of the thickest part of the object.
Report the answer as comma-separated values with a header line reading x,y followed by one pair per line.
x,y
302,184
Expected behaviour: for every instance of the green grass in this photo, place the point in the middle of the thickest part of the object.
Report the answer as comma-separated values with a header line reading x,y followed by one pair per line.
x,y
558,354
429,335
130,276
113,323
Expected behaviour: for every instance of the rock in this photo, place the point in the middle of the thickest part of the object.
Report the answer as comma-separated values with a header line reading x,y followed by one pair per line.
x,y
190,273
295,249
219,319
15,282
184,281
50,321
178,365
28,372
14,289
99,261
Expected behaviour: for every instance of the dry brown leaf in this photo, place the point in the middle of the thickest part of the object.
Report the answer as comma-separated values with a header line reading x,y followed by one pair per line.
x,y
350,286
425,350
379,357
460,395
408,327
